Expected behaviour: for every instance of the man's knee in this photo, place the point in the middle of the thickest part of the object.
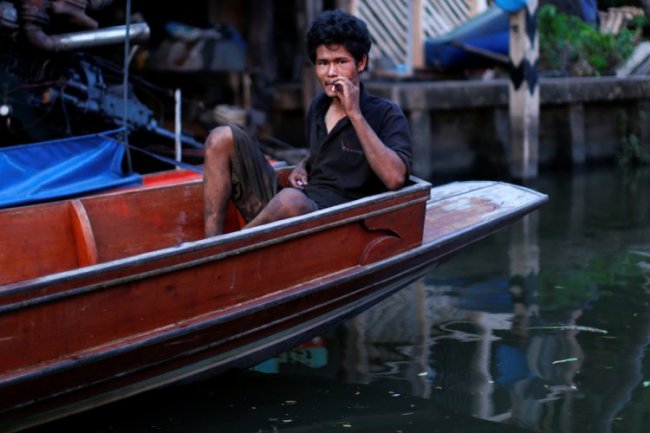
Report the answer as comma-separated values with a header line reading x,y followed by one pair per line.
x,y
296,202
219,142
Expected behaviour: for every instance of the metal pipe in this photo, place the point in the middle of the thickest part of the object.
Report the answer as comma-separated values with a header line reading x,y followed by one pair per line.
x,y
125,84
138,32
177,126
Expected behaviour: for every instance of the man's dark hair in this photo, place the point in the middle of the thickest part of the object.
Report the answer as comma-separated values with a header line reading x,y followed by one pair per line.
x,y
339,28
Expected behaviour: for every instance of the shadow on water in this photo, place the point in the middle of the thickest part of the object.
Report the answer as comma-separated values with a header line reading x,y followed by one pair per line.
x,y
542,327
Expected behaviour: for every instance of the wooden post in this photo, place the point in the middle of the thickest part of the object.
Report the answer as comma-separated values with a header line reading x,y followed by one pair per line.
x,y
420,122
349,6
417,36
577,131
524,92
643,121
476,7
310,85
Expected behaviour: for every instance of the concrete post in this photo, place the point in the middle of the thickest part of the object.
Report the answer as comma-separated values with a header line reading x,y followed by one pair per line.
x,y
524,92
643,120
420,122
577,128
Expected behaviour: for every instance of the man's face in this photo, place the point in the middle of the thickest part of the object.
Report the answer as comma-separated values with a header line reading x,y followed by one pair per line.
x,y
335,61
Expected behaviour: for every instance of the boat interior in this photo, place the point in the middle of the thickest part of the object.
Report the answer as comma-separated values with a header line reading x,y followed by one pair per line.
x,y
59,236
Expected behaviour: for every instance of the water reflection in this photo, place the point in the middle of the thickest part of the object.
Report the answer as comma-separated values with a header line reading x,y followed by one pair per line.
x,y
544,326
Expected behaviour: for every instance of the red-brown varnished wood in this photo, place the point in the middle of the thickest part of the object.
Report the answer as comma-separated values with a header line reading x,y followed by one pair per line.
x,y
232,272
401,230
319,221
162,303
137,221
169,178
283,175
36,240
83,234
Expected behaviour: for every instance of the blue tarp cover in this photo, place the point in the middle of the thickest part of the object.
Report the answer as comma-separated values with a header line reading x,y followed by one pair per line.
x,y
56,169
487,31
511,5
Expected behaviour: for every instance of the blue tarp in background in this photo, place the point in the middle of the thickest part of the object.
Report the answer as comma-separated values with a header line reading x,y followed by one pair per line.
x,y
468,45
511,5
487,31
62,168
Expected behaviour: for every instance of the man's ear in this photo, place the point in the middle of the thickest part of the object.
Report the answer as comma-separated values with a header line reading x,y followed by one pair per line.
x,y
363,63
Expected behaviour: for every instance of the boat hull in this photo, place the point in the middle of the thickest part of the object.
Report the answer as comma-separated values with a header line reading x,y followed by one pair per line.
x,y
84,337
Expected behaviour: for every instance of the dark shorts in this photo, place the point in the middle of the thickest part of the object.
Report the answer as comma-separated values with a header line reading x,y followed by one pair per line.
x,y
254,182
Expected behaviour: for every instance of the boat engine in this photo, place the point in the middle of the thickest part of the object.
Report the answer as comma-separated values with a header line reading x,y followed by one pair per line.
x,y
51,88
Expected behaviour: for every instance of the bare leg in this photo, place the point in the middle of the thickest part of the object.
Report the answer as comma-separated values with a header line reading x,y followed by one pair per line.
x,y
287,203
217,183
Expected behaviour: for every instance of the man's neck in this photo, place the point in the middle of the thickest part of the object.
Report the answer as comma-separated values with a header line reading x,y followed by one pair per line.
x,y
333,114
335,104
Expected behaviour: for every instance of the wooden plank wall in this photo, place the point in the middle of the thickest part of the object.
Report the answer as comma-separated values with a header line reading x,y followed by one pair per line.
x,y
388,22
399,27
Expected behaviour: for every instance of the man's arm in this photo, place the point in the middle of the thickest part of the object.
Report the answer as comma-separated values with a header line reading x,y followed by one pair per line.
x,y
384,161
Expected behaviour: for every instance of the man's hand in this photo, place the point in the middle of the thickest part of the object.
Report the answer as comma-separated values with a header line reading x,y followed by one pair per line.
x,y
298,177
348,95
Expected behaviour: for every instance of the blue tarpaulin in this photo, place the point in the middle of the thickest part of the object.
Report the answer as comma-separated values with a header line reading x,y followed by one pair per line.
x,y
511,5
487,33
62,168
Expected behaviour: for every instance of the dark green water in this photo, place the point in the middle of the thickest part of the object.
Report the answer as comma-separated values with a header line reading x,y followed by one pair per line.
x,y
542,327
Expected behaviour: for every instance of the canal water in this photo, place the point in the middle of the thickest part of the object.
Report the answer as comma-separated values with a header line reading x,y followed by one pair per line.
x,y
542,327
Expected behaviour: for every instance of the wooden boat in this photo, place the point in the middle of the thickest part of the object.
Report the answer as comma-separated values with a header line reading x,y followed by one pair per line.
x,y
106,296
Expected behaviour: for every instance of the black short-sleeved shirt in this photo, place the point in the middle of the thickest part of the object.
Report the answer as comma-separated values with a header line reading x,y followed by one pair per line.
x,y
338,169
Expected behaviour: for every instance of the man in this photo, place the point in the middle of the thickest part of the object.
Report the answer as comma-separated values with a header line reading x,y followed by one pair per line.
x,y
359,144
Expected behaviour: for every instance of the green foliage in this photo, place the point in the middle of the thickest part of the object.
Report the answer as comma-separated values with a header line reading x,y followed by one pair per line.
x,y
570,47
568,289
630,151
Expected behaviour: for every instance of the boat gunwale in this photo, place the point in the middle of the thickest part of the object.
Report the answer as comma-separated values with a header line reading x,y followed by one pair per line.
x,y
482,184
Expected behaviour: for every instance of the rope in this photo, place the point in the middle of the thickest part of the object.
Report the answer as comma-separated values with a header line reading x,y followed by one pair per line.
x,y
125,82
113,134
180,164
